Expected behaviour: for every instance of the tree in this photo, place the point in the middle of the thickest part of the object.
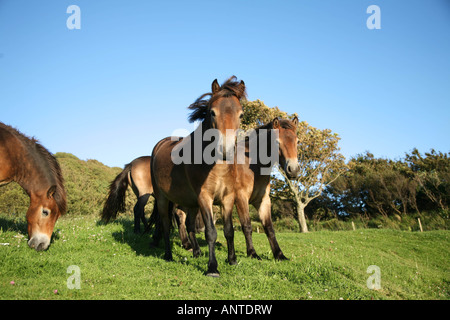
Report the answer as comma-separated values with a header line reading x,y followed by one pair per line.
x,y
374,186
386,183
256,113
320,165
432,173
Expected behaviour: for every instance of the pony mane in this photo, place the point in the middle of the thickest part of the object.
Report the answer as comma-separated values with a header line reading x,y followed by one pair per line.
x,y
56,173
47,162
229,88
284,123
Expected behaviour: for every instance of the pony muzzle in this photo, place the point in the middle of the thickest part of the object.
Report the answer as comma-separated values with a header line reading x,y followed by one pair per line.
x,y
39,241
228,144
291,168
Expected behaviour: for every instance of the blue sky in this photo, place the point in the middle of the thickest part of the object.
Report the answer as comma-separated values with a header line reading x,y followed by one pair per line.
x,y
112,89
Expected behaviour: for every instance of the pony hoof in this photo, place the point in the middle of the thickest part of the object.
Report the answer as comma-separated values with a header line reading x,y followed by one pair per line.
x,y
196,253
213,274
168,257
232,262
281,257
255,256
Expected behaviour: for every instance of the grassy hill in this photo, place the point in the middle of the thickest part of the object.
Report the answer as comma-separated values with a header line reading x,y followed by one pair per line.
x,y
117,264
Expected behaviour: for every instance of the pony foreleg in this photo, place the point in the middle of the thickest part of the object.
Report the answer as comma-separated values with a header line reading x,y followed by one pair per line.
x,y
227,211
206,203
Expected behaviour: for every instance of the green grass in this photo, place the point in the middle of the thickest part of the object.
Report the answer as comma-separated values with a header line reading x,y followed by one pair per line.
x,y
117,264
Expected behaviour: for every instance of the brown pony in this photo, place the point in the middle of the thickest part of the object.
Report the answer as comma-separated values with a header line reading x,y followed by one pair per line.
x,y
196,181
253,184
28,163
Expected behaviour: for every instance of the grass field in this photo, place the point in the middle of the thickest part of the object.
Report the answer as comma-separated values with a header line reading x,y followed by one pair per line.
x,y
114,263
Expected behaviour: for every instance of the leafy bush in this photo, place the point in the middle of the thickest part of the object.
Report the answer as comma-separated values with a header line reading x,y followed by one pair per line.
x,y
13,199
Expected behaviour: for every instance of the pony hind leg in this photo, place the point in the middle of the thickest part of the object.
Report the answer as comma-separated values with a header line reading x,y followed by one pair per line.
x,y
242,207
139,213
181,218
165,221
264,211
190,226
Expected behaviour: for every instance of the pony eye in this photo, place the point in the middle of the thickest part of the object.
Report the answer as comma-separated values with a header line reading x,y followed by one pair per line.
x,y
45,212
241,116
213,114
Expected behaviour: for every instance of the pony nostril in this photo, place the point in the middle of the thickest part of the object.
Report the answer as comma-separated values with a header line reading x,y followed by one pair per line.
x,y
39,242
292,170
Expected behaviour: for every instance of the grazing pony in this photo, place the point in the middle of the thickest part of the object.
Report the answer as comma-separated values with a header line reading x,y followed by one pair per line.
x,y
187,171
36,170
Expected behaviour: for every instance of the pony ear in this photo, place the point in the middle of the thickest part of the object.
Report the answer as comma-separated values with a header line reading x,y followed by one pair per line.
x,y
242,86
276,123
215,87
51,191
241,90
295,121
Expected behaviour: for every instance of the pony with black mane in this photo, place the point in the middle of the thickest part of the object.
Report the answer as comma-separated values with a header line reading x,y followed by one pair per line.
x,y
196,183
37,171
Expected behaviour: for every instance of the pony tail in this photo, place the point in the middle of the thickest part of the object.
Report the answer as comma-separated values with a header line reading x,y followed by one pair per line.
x,y
115,202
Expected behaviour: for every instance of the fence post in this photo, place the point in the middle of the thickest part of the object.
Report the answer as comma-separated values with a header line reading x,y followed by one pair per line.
x,y
420,225
353,226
